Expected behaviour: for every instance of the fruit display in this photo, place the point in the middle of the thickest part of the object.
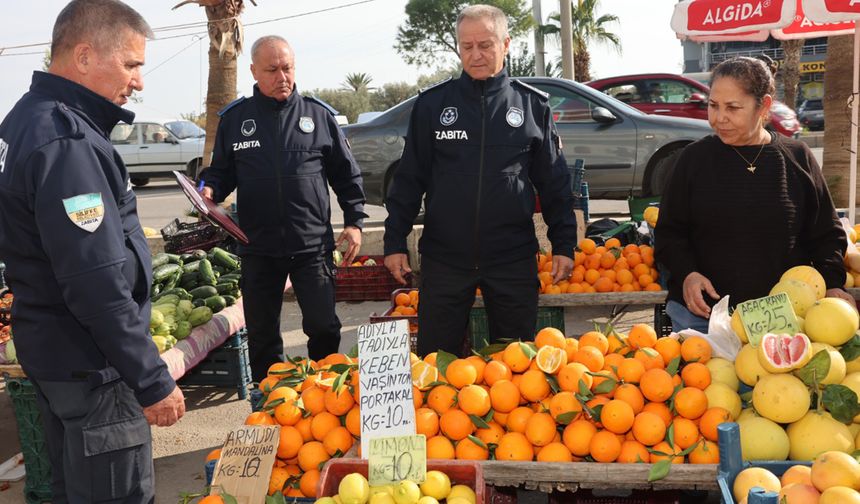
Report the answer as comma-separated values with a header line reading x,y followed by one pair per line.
x,y
833,477
188,289
404,306
607,268
437,487
650,215
852,257
7,346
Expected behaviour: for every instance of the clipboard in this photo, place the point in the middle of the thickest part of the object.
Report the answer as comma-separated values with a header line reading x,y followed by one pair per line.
x,y
208,209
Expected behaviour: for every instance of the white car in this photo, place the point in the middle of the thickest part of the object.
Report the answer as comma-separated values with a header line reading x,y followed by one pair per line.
x,y
154,148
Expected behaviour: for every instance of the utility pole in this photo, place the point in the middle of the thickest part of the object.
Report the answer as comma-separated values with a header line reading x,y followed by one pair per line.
x,y
540,64
566,40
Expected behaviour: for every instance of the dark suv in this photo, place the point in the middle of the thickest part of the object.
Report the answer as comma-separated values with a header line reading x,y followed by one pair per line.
x,y
811,114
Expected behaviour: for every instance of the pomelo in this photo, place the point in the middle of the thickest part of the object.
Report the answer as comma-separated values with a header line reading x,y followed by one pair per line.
x,y
723,371
738,327
832,321
782,398
754,477
762,439
815,433
780,353
835,468
801,294
809,275
747,366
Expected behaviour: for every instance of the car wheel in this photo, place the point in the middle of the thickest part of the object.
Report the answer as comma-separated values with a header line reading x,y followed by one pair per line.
x,y
662,172
193,167
139,182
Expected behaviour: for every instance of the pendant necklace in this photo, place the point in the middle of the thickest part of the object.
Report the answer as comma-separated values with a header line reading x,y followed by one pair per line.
x,y
750,165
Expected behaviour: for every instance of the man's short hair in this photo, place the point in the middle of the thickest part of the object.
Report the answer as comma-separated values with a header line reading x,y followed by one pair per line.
x,y
97,22
482,11
267,39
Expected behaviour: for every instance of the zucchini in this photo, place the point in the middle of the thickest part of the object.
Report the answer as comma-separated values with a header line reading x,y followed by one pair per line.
x,y
230,300
230,277
178,292
218,269
198,254
159,259
216,303
174,259
225,288
164,272
204,292
207,276
198,302
187,277
222,258
156,290
186,258
194,265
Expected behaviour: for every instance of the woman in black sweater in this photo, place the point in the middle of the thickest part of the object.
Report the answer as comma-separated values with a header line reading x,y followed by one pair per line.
x,y
743,205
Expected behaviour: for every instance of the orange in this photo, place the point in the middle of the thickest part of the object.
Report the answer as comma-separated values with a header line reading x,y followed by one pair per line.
x,y
460,373
474,400
696,374
540,429
711,419
279,370
646,280
591,357
267,383
430,358
277,480
259,418
633,452
601,377
308,483
594,339
455,424
440,447
313,400
290,491
668,348
587,246
668,451
603,284
550,359
311,455
624,277
656,385
612,361
685,432
648,428
653,287
534,386
630,370
650,358
338,439
338,403
617,416
426,422
630,394
402,299
554,452
517,419
442,398
212,499
691,402
564,404
491,434
304,427
290,442
577,437
467,449
501,418
569,377
797,474
515,358
353,421
417,397
612,243
214,455
707,452
641,336
604,446
514,446
592,276
549,336
322,424
480,365
287,413
504,396
696,348
495,371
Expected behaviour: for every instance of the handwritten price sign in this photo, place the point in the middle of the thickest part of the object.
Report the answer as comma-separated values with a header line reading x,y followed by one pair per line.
x,y
771,314
246,461
394,459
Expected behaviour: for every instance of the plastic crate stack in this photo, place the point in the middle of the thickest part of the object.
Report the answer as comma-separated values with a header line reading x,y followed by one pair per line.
x,y
37,486
180,237
364,283
225,366
479,330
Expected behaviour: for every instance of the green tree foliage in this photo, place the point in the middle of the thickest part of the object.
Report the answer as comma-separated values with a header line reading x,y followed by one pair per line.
x,y
348,103
429,32
391,94
588,28
357,82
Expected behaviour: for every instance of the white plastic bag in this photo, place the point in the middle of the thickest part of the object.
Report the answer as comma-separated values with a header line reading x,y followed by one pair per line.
x,y
724,342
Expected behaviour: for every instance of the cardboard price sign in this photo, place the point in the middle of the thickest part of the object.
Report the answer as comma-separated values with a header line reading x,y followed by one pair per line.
x,y
245,466
394,459
771,314
386,381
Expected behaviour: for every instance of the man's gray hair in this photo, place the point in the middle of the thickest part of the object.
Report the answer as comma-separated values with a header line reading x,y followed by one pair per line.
x,y
483,11
98,22
267,39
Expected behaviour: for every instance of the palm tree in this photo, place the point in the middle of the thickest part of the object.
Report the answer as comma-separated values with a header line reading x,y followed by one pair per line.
x,y
357,82
790,70
837,113
587,28
225,43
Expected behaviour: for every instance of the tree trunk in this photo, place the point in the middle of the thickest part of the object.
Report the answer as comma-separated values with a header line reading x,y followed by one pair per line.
x,y
221,91
790,71
837,116
581,65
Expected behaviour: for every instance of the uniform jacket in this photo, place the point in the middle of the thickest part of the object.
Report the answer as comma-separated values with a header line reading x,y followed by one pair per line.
x,y
76,255
476,151
279,156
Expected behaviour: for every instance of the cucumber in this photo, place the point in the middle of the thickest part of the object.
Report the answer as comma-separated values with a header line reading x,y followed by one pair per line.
x,y
187,277
230,300
225,288
174,259
156,290
164,272
178,292
218,269
222,258
231,277
186,258
200,315
159,259
203,292
194,266
216,303
207,276
198,302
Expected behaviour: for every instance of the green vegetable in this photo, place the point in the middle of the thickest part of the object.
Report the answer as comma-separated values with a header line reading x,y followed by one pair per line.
x,y
203,292
217,303
207,275
230,300
164,272
222,258
159,259
200,315
183,329
175,259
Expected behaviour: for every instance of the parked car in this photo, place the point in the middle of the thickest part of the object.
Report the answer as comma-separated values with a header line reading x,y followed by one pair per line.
x,y
811,114
676,95
624,150
154,148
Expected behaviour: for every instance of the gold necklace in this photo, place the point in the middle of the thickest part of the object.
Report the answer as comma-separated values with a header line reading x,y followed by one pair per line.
x,y
751,164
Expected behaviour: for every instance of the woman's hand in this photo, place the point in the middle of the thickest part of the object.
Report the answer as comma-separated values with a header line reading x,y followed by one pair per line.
x,y
694,285
839,293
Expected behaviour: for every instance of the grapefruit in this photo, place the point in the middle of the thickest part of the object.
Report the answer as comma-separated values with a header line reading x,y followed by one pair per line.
x,y
747,366
799,493
832,321
815,433
780,353
809,275
852,381
723,371
738,327
839,495
835,468
801,294
762,439
754,477
720,395
782,398
836,371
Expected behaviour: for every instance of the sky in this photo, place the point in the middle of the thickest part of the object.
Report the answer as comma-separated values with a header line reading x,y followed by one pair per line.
x,y
341,39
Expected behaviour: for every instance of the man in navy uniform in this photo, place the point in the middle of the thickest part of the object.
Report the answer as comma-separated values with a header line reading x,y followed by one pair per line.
x,y
476,148
78,261
282,150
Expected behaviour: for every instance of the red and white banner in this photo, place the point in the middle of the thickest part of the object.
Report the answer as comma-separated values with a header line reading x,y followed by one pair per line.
x,y
803,27
832,11
712,17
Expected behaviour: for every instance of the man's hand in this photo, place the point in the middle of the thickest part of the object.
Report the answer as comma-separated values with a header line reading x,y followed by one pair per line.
x,y
206,192
398,265
694,285
839,293
352,236
562,266
167,411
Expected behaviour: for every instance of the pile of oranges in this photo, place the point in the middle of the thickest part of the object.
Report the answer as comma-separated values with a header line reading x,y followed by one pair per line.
x,y
607,268
406,303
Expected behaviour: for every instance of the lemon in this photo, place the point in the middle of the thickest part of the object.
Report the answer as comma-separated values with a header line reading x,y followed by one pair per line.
x,y
353,489
325,500
382,497
407,492
436,484
459,500
427,500
382,488
462,491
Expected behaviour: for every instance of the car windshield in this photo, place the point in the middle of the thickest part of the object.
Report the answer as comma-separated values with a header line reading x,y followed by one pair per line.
x,y
185,129
608,100
812,105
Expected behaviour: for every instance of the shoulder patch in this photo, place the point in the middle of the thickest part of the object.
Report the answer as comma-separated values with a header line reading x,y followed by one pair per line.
x,y
231,105
533,89
333,111
434,86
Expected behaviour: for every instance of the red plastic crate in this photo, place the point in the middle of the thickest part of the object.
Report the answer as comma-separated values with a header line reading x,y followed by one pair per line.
x,y
461,472
365,283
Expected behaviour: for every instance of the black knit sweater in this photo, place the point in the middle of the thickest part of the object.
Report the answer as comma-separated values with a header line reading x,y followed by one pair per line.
x,y
742,230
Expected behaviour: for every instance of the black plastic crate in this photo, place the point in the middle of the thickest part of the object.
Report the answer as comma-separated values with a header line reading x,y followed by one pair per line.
x,y
37,486
225,366
180,237
662,322
479,328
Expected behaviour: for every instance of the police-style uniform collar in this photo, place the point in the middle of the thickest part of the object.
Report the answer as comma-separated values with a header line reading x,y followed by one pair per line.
x,y
271,103
103,113
489,86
